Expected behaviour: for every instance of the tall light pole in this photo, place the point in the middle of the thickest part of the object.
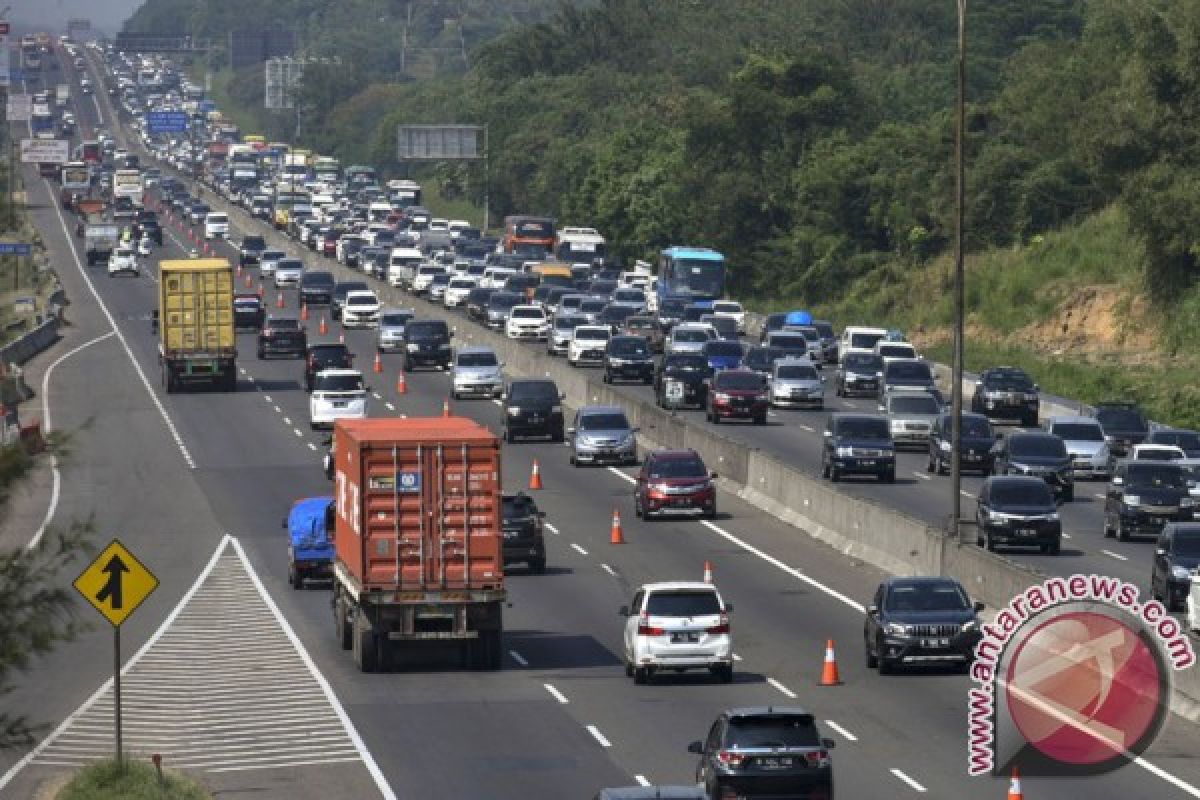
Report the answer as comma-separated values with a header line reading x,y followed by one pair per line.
x,y
959,276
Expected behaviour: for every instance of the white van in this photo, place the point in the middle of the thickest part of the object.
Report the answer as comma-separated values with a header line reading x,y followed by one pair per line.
x,y
494,277
403,264
216,225
859,339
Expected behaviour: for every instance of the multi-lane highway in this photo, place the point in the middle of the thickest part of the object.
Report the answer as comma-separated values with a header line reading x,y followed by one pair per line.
x,y
196,484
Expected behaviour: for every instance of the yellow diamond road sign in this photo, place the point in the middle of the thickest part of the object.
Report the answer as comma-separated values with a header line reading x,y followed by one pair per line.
x,y
116,583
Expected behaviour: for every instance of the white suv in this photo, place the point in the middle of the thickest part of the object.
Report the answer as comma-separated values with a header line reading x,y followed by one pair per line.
x,y
527,322
677,626
337,394
587,344
360,309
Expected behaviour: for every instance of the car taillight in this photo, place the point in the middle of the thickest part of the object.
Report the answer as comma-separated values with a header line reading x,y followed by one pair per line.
x,y
730,758
722,626
817,758
648,630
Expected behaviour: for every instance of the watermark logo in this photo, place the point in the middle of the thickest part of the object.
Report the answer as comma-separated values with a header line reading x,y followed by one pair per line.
x,y
1073,678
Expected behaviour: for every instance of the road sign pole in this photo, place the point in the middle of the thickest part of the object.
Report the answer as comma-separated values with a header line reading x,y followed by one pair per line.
x,y
117,691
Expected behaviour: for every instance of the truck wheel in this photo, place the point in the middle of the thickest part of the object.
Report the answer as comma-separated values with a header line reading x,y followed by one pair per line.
x,y
485,651
340,628
295,578
365,644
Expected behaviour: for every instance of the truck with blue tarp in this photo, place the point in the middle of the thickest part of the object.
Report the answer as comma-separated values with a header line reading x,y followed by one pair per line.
x,y
310,525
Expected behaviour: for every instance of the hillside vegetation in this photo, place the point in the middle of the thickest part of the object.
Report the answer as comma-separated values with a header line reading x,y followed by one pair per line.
x,y
812,142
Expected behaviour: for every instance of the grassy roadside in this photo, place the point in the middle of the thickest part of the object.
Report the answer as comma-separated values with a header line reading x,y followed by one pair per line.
x,y
135,781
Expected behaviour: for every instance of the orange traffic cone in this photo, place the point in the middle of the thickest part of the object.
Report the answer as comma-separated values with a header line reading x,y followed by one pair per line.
x,y
708,572
401,384
616,536
378,363
445,408
829,675
1014,788
279,300
323,328
535,477
304,311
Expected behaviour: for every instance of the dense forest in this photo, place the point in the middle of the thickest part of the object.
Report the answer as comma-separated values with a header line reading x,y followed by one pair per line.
x,y
810,140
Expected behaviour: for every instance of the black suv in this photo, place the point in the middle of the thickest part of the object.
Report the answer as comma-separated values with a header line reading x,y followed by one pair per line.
x,y
316,288
858,374
325,356
1176,557
919,621
1018,511
427,341
769,751
282,335
1124,426
680,380
1038,454
248,312
858,444
974,447
907,373
532,407
628,358
1144,496
148,225
523,537
340,291
251,250
1006,393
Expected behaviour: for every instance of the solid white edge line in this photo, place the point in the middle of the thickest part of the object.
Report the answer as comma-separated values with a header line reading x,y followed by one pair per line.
x,y
104,687
517,657
783,689
641,780
795,573
916,787
579,549
368,760
55,475
840,731
556,694
187,457
598,736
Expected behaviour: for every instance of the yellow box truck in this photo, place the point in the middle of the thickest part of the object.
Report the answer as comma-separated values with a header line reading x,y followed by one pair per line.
x,y
195,322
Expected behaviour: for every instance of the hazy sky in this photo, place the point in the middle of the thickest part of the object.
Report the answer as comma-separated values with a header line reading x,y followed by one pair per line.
x,y
52,15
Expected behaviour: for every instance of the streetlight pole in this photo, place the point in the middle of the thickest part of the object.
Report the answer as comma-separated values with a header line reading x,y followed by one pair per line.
x,y
959,276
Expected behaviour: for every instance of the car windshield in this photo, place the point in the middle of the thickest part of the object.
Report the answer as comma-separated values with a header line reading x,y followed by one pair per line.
x,y
914,404
897,351
792,341
253,243
518,506
477,360
1187,544
1078,432
1044,446
628,347
568,323
927,597
603,422
1121,419
864,341
593,334
395,319
738,380
1009,381
727,308
592,306
339,383
361,300
685,362
427,330
797,372
723,348
977,427
533,390
1155,476
678,468
1188,440
861,362
1158,453
290,264
528,313
769,732
272,255
690,335
683,604
1022,493
283,324
462,283
318,279
863,427
908,371
503,302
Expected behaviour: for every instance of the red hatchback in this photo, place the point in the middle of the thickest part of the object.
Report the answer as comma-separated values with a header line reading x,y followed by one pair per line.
x,y
674,482
737,394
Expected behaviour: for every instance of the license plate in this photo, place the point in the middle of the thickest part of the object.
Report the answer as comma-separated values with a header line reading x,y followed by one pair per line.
x,y
775,763
1026,532
971,457
681,501
934,643
675,391
869,462
684,638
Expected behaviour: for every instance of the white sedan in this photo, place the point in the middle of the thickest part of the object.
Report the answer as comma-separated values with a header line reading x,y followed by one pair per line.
x,y
527,322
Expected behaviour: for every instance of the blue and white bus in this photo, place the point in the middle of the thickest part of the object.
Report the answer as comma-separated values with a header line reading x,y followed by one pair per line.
x,y
695,275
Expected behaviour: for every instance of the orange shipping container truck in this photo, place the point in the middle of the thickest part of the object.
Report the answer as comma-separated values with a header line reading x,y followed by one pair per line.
x,y
419,541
